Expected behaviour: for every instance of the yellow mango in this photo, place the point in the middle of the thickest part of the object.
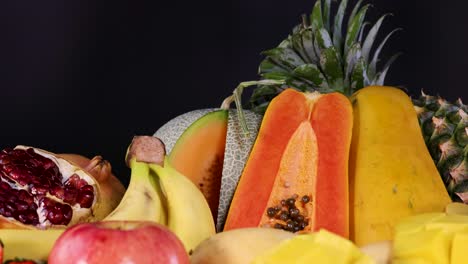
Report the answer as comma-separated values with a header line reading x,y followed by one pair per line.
x,y
411,261
392,174
417,222
459,248
451,224
318,247
430,245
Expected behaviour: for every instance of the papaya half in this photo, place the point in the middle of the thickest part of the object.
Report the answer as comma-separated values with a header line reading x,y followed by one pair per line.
x,y
392,174
296,176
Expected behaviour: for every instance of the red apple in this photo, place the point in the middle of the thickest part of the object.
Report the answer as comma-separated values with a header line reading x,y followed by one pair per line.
x,y
118,242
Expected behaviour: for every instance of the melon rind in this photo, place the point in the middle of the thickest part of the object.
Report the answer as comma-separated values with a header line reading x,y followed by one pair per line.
x,y
236,152
170,132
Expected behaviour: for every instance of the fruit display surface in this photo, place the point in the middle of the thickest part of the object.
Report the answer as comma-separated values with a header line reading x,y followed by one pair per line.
x,y
323,163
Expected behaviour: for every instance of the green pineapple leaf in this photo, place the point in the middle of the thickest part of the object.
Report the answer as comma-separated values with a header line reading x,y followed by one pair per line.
x,y
331,66
358,76
381,76
372,68
337,34
286,56
362,31
325,53
354,55
369,41
316,19
326,14
323,39
311,72
308,44
354,29
271,70
297,43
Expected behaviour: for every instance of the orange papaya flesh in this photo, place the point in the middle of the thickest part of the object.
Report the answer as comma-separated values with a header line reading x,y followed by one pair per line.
x,y
199,152
283,116
303,185
332,120
294,183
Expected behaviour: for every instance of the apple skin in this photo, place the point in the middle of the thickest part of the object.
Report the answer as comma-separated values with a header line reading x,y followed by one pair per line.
x,y
118,242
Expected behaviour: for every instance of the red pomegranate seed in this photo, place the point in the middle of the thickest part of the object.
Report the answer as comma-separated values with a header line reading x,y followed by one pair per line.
x,y
58,192
12,196
23,218
23,195
5,186
47,202
55,217
87,187
22,206
67,212
85,199
70,195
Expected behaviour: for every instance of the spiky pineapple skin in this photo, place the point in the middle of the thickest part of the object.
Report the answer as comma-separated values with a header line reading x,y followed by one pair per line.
x,y
445,129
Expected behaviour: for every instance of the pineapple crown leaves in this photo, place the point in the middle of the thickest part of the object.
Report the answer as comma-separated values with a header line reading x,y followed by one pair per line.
x,y
316,56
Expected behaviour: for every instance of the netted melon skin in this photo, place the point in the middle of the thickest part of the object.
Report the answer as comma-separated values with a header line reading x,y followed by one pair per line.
x,y
173,129
236,153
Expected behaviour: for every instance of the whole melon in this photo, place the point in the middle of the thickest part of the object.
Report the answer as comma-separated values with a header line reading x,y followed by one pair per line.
x,y
237,149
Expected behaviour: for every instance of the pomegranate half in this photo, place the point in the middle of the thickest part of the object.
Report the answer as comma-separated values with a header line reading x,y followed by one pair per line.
x,y
39,189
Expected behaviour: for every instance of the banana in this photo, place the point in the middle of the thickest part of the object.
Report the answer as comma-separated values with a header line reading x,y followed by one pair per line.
x,y
28,243
238,245
157,192
142,201
189,215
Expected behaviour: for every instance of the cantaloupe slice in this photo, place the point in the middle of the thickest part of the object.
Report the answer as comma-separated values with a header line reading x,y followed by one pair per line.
x,y
199,154
301,151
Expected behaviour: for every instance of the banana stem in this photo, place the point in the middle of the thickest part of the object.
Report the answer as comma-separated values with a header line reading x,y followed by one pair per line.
x,y
236,97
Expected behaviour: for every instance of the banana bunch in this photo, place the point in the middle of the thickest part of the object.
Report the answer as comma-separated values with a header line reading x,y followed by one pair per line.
x,y
157,192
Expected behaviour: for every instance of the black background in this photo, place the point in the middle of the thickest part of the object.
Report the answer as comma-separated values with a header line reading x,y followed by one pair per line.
x,y
85,76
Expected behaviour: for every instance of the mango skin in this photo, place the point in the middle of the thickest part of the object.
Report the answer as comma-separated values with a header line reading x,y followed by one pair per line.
x,y
392,174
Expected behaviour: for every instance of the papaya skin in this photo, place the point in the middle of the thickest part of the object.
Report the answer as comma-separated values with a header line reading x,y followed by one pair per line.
x,y
392,175
301,150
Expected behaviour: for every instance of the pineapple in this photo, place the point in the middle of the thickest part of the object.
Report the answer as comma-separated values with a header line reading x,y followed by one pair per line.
x,y
326,54
445,130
